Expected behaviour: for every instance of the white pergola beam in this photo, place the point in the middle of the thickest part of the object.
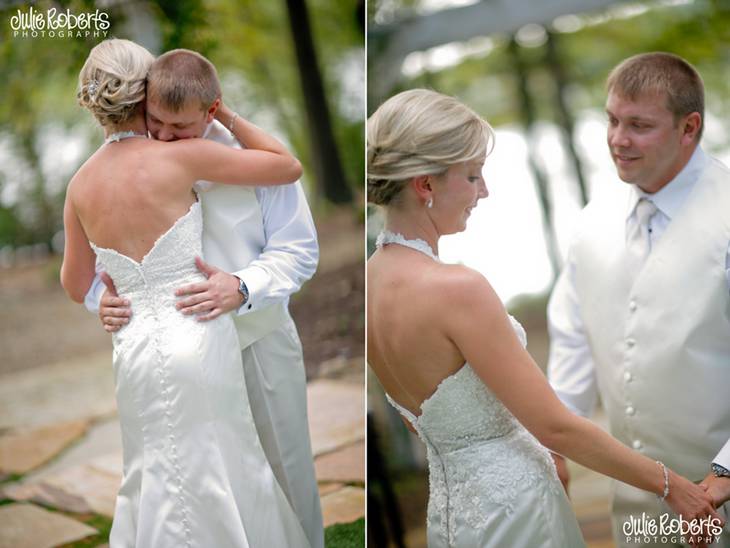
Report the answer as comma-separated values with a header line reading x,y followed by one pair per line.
x,y
461,24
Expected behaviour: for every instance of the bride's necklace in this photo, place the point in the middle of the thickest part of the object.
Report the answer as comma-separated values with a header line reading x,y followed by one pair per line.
x,y
388,237
119,135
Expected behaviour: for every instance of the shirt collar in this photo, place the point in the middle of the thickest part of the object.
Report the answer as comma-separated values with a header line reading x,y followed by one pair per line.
x,y
207,131
670,197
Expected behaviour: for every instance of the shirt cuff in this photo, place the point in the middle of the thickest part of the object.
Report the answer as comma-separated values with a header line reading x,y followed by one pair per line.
x,y
723,457
256,280
92,300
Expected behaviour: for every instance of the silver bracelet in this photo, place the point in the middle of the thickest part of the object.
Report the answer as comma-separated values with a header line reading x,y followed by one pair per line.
x,y
666,481
233,119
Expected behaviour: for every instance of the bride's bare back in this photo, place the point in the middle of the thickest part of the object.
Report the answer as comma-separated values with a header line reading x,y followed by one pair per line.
x,y
407,344
131,192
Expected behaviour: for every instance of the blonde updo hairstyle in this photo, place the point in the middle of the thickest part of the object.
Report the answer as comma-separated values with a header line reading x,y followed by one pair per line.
x,y
420,132
112,80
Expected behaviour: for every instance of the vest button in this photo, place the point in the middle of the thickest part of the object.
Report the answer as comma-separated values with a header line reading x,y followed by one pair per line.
x,y
632,306
630,410
636,444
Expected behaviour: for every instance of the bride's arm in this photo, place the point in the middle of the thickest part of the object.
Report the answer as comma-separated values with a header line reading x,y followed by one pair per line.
x,y
478,324
209,161
78,267
263,161
247,134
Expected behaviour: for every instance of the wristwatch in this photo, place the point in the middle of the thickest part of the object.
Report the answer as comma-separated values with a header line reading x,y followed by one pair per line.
x,y
243,290
720,471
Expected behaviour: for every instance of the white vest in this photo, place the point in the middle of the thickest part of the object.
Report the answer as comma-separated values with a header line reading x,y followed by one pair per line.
x,y
233,236
661,344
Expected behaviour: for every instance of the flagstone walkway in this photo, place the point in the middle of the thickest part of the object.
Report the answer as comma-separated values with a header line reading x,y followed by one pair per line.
x,y
60,448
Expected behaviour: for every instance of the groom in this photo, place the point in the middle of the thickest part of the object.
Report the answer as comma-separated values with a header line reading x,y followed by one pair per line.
x,y
263,243
641,312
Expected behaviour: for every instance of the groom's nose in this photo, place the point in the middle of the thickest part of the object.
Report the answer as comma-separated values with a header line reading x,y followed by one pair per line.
x,y
165,134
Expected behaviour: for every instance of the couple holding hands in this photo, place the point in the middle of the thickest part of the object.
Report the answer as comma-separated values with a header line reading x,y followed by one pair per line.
x,y
640,315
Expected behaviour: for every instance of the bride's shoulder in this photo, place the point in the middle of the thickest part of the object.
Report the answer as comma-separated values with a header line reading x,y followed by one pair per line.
x,y
82,175
460,284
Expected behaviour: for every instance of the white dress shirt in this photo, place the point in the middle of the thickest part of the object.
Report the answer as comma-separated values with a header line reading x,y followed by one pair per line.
x,y
575,381
290,255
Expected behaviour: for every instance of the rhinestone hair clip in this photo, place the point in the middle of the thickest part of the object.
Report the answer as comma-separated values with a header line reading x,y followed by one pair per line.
x,y
92,87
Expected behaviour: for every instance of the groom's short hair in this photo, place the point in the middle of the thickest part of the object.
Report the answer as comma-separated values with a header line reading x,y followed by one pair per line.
x,y
181,75
660,72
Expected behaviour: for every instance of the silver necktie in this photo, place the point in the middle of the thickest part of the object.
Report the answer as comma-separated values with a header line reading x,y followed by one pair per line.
x,y
638,238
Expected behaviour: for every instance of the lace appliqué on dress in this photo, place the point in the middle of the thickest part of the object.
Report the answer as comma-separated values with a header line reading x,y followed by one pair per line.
x,y
481,459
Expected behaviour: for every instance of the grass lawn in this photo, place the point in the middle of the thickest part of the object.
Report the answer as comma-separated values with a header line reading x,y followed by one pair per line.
x,y
345,535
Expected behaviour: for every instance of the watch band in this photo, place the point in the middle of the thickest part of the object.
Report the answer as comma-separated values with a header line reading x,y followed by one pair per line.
x,y
243,290
720,471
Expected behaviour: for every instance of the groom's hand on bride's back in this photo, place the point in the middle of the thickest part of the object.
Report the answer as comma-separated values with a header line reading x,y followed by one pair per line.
x,y
114,311
209,299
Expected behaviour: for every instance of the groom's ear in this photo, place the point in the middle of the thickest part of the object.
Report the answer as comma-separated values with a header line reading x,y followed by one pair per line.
x,y
212,109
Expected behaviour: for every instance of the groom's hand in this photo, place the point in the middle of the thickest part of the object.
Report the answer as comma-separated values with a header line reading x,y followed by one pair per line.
x,y
114,311
717,488
211,298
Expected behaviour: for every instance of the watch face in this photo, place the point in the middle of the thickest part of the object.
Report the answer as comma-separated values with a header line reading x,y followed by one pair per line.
x,y
720,471
243,290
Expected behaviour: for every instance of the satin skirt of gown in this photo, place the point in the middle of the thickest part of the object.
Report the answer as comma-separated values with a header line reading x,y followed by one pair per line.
x,y
194,470
491,483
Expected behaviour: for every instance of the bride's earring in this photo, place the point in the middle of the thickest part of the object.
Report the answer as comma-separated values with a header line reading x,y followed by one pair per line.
x,y
429,204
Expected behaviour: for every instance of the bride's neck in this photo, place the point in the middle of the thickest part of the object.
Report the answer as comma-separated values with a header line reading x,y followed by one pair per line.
x,y
413,226
136,125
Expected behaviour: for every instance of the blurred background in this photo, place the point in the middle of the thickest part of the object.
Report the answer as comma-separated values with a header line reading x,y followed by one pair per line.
x,y
293,67
536,71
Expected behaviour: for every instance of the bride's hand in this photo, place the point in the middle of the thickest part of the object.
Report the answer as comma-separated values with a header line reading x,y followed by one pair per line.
x,y
692,501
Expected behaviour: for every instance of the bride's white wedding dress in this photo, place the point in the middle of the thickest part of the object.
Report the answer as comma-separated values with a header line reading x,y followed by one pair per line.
x,y
194,470
491,483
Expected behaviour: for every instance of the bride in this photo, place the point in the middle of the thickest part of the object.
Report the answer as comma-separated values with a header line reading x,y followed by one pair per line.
x,y
454,363
194,471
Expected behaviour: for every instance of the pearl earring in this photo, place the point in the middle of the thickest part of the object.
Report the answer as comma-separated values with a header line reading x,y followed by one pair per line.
x,y
429,204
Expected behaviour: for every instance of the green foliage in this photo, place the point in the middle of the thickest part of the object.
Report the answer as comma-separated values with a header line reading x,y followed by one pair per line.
x,y
9,226
698,31
248,40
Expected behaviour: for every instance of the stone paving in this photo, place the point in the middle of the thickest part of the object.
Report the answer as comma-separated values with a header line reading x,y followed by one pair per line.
x,y
29,526
59,430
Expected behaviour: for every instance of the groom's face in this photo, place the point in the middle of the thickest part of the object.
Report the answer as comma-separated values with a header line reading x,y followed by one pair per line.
x,y
166,125
644,139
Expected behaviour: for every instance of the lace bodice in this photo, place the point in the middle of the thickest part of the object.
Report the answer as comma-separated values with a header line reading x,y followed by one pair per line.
x,y
479,455
150,283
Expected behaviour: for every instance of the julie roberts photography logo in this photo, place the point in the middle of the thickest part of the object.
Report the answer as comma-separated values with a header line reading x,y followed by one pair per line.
x,y
54,23
668,529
